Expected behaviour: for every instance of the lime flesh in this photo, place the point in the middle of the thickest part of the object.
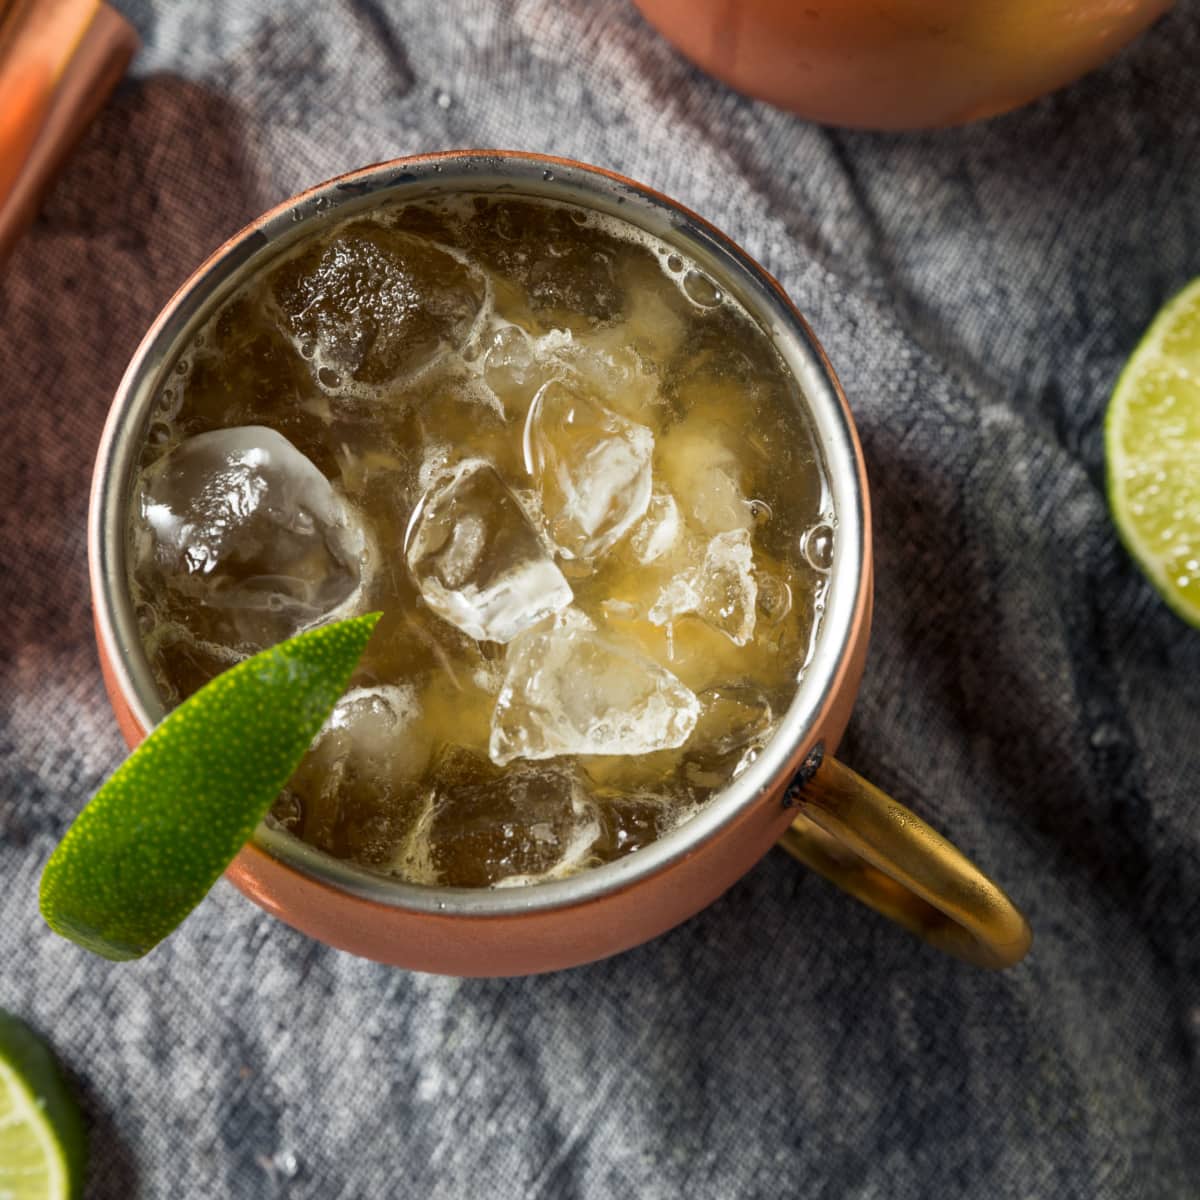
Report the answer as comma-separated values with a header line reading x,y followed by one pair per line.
x,y
1152,444
42,1141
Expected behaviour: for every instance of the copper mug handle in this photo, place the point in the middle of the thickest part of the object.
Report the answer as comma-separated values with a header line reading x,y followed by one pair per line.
x,y
874,848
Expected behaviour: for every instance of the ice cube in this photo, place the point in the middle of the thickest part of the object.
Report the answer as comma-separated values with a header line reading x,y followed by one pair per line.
x,y
240,523
571,690
728,590
355,794
660,529
722,592
677,598
485,827
735,723
375,306
510,365
564,270
592,467
704,475
630,822
476,558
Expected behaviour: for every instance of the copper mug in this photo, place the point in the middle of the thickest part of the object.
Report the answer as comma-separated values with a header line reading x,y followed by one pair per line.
x,y
795,792
899,64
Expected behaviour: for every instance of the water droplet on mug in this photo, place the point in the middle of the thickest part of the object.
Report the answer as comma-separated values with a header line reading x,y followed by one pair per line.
x,y
701,290
817,547
548,176
159,433
321,203
181,367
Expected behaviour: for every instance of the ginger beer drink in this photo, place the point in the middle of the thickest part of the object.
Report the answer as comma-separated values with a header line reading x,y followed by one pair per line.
x,y
576,478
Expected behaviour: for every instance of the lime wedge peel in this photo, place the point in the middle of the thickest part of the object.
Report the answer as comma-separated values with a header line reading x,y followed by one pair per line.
x,y
1152,446
43,1147
160,832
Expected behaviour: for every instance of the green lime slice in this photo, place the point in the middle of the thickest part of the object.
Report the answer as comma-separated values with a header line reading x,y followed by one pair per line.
x,y
158,834
1152,442
43,1148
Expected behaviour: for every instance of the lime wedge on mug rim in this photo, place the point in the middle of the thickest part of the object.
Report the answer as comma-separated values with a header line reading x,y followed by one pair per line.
x,y
1152,446
159,833
43,1147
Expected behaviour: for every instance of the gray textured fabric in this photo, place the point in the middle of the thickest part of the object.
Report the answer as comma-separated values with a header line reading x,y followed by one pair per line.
x,y
978,290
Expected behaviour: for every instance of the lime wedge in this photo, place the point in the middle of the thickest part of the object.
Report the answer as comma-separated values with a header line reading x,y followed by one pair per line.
x,y
1152,443
157,835
43,1148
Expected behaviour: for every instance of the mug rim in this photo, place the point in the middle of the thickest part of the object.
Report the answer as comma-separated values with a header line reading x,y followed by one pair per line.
x,y
518,173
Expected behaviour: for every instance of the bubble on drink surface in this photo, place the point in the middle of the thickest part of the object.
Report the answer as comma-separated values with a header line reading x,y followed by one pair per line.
x,y
476,558
592,467
355,793
774,597
376,306
571,690
722,592
487,827
701,290
736,721
817,546
245,532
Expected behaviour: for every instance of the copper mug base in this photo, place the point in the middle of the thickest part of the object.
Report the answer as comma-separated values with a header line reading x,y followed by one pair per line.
x,y
832,819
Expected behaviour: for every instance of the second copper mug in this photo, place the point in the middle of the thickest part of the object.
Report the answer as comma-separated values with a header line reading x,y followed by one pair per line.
x,y
795,791
899,64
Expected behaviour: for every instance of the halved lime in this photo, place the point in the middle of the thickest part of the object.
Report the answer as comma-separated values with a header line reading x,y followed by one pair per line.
x,y
1152,443
158,834
43,1148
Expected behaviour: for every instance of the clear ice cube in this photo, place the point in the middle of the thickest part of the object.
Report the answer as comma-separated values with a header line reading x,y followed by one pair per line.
x,y
704,474
592,467
728,590
478,561
659,531
511,364
723,592
484,827
571,690
375,306
355,794
631,821
735,724
564,271
239,522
